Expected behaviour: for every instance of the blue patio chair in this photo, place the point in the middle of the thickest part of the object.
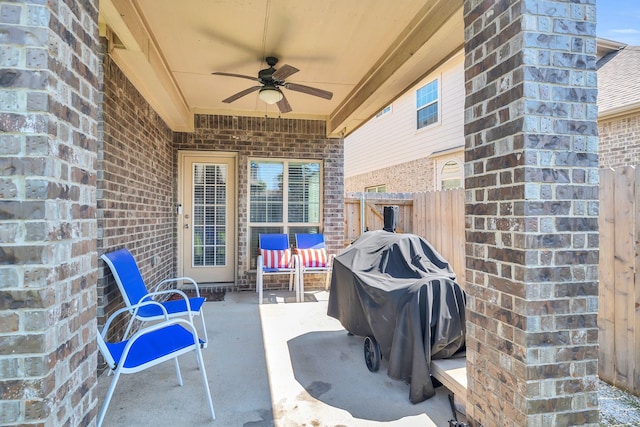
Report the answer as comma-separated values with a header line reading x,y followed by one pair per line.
x,y
148,347
275,258
133,290
312,257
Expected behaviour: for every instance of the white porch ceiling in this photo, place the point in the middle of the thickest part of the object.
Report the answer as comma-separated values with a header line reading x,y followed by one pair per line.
x,y
367,52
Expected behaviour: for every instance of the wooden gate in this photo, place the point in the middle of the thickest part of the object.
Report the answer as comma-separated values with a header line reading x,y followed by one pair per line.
x,y
364,212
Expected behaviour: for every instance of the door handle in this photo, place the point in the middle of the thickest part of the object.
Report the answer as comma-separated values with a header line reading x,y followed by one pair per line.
x,y
186,226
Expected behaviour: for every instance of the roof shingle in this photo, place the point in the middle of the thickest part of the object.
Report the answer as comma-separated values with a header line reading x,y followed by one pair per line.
x,y
619,79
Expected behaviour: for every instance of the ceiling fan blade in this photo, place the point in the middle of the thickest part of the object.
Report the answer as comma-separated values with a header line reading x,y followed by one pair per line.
x,y
309,90
283,72
283,105
242,76
241,94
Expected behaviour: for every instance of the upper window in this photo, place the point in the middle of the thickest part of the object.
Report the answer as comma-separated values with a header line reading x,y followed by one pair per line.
x,y
272,209
384,111
427,104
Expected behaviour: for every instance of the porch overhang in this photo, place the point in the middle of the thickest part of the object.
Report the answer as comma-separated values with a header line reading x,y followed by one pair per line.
x,y
368,53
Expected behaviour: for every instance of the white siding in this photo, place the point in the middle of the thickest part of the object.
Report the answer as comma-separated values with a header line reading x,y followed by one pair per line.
x,y
393,139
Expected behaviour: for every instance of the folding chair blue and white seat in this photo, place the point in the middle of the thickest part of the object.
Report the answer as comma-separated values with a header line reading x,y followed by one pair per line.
x,y
312,257
148,347
275,258
133,289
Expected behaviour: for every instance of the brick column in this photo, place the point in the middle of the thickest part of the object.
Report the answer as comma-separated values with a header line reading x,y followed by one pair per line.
x,y
48,112
531,212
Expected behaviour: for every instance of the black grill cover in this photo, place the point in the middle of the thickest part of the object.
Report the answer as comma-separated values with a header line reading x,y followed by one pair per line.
x,y
398,289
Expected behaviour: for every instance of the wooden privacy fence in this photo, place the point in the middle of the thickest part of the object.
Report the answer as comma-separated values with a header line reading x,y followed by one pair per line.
x,y
619,295
437,216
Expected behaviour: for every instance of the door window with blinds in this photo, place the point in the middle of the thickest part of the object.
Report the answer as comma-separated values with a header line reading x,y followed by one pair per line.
x,y
209,215
285,196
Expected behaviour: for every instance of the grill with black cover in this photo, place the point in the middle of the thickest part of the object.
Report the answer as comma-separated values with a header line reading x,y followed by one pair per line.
x,y
401,294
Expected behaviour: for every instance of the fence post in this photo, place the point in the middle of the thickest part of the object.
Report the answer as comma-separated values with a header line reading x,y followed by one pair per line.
x,y
363,200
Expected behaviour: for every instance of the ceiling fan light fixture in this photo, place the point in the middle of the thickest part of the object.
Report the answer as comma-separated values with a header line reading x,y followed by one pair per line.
x,y
270,94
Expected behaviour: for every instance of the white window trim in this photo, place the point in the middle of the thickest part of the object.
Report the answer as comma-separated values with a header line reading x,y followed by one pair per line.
x,y
437,78
460,176
385,111
285,224
441,164
377,187
441,158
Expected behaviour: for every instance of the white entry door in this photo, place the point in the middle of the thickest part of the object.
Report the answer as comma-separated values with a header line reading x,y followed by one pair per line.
x,y
207,216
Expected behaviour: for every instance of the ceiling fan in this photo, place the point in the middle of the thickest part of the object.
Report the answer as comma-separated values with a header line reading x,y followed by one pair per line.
x,y
271,81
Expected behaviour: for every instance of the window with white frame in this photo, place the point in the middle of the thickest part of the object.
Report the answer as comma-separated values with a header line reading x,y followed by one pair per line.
x,y
285,196
427,104
449,168
376,189
384,111
450,175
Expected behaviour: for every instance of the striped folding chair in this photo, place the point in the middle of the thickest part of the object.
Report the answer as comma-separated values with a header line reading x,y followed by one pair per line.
x,y
275,258
312,257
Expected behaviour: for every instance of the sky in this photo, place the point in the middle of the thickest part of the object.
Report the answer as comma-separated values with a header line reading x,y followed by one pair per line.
x,y
619,20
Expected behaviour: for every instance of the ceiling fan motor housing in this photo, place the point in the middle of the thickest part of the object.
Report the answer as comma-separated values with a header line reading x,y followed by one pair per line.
x,y
266,76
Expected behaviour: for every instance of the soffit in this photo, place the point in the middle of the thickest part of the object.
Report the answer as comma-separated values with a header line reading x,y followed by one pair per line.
x,y
366,52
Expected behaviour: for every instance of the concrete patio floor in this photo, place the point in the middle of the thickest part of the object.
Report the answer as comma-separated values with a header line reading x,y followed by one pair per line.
x,y
277,364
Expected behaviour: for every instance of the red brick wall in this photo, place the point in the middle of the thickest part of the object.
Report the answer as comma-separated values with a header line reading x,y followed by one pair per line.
x,y
136,187
620,142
